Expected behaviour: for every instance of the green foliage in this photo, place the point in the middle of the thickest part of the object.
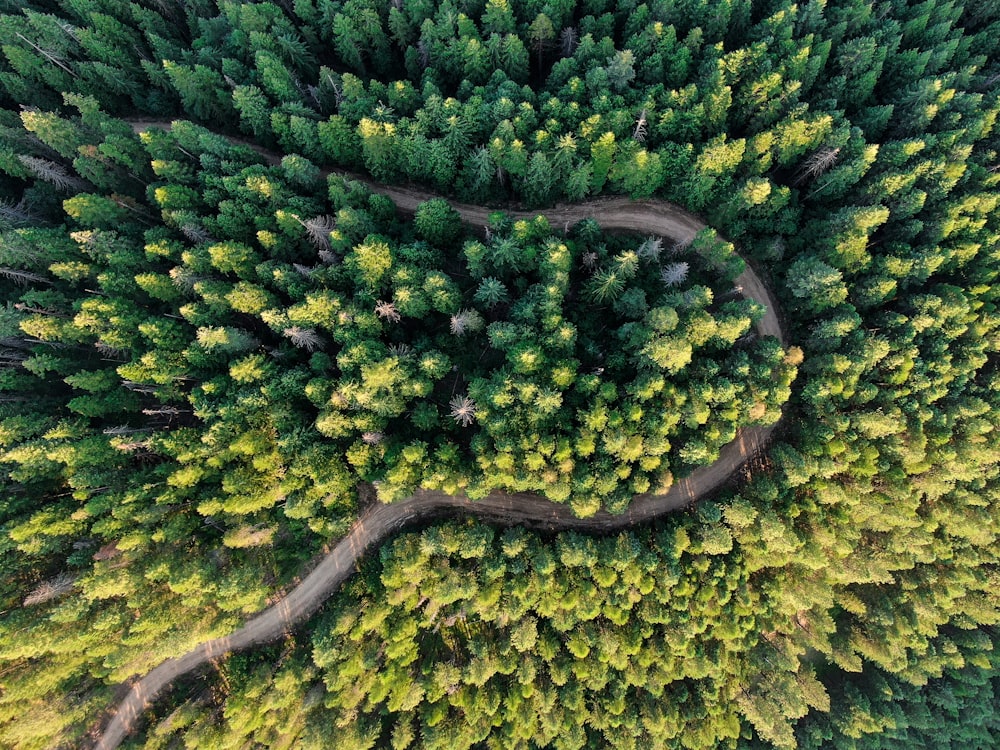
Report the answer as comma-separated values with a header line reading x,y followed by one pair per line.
x,y
192,352
437,222
460,634
237,370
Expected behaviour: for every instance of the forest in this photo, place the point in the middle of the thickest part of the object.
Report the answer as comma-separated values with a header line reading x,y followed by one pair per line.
x,y
217,335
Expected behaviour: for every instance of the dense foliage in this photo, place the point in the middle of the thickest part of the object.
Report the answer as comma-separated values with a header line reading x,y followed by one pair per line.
x,y
462,637
176,442
227,375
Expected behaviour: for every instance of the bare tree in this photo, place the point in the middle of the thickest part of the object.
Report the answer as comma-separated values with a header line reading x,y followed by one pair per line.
x,y
304,338
139,387
51,172
112,352
338,91
166,411
568,40
387,311
463,410
674,273
70,30
318,229
17,214
23,277
196,234
639,134
651,249
124,430
464,321
185,278
131,446
817,164
23,307
50,589
679,248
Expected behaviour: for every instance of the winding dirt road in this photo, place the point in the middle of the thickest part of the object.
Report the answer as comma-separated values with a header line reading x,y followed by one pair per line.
x,y
380,521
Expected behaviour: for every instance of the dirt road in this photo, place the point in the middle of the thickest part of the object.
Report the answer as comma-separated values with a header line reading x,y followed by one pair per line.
x,y
380,521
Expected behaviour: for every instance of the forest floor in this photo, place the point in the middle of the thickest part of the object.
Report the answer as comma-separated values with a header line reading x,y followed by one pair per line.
x,y
379,521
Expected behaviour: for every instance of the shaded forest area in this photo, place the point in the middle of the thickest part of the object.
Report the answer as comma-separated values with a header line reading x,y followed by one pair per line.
x,y
202,356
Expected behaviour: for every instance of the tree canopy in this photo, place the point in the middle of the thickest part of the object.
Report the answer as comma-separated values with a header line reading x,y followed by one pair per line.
x,y
204,352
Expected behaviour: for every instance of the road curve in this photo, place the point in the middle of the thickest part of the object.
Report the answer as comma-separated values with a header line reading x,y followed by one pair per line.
x,y
380,521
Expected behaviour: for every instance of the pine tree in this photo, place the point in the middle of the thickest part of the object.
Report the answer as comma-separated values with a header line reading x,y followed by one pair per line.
x,y
602,153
